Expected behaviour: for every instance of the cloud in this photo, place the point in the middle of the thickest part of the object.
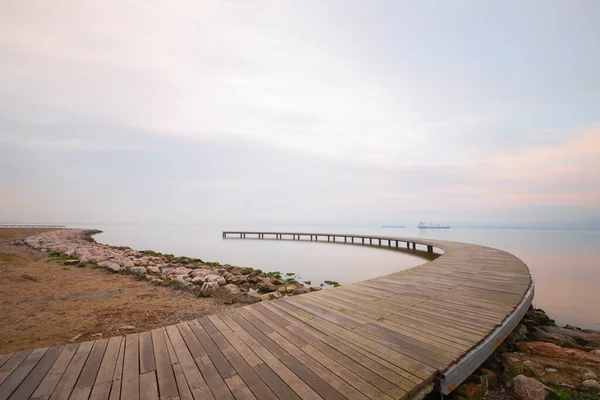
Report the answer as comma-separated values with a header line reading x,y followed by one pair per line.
x,y
301,109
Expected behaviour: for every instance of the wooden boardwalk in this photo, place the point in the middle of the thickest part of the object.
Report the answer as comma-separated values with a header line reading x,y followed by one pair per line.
x,y
384,338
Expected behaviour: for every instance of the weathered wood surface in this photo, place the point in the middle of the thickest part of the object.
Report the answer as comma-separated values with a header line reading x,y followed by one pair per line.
x,y
383,338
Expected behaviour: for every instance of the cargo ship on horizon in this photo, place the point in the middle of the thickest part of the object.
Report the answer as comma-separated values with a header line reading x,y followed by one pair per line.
x,y
425,225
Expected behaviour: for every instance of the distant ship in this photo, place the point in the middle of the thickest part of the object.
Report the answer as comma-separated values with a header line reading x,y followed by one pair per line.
x,y
425,225
393,226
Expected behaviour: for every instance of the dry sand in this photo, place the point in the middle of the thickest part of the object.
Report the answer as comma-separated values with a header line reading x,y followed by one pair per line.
x,y
47,303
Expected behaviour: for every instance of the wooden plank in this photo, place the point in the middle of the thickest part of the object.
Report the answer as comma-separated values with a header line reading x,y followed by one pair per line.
x,y
147,362
69,378
213,379
130,386
11,383
239,388
4,358
86,380
182,385
103,382
167,386
29,385
13,363
49,382
194,378
148,386
263,382
115,389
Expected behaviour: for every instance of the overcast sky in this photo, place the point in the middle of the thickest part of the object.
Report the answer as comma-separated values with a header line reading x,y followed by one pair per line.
x,y
329,112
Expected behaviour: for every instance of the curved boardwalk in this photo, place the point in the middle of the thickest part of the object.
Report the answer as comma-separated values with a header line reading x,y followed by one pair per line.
x,y
389,337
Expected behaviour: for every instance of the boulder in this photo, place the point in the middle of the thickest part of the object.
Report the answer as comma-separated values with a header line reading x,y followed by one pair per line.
x,y
315,288
300,290
128,264
208,288
277,281
288,288
168,271
215,278
114,267
182,271
528,388
271,296
199,280
139,270
265,285
249,298
236,279
550,350
244,287
228,293
591,384
153,270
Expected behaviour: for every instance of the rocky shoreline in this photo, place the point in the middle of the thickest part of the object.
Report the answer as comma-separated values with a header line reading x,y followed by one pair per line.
x,y
538,361
207,279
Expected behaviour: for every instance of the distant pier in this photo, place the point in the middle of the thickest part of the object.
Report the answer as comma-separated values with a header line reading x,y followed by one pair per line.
x,y
31,226
380,241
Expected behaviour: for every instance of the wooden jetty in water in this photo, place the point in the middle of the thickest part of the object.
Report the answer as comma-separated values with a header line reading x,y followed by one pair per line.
x,y
390,337
30,226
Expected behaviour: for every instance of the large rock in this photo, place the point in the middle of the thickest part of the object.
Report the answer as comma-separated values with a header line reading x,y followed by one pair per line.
x,y
228,293
550,350
215,278
182,271
315,288
271,296
288,288
236,279
249,298
153,270
277,281
208,288
528,388
139,270
300,290
114,267
265,285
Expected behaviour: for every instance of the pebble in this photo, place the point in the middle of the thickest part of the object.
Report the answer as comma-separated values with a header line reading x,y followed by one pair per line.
x,y
126,327
74,338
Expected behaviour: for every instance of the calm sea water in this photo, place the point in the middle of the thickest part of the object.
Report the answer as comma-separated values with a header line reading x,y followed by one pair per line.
x,y
565,263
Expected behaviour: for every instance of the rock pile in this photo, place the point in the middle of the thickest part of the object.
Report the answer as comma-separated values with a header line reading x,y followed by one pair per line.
x,y
537,361
230,283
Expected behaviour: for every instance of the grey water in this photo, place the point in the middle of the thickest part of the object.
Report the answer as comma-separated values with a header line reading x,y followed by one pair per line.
x,y
565,264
